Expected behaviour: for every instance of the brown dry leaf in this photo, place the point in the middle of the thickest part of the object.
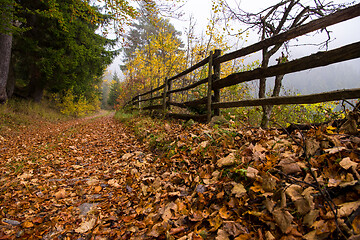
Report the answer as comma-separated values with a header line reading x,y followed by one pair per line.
x,y
92,182
167,215
283,219
269,236
268,183
215,223
356,225
60,194
289,166
25,176
224,213
251,173
345,209
27,225
334,150
310,218
303,203
324,227
38,220
227,161
98,189
86,226
311,146
233,228
126,156
238,190
222,235
314,236
258,148
244,237
114,183
174,231
346,163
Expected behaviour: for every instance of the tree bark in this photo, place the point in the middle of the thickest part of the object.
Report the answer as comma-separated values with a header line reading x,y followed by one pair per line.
x,y
10,85
5,53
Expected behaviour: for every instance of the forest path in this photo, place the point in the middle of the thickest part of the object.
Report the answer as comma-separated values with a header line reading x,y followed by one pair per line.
x,y
64,179
92,178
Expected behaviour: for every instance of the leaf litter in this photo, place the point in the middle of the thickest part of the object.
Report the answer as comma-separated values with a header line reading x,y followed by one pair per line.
x,y
102,179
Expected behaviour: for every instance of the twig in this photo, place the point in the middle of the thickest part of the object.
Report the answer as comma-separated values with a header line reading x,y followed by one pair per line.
x,y
323,191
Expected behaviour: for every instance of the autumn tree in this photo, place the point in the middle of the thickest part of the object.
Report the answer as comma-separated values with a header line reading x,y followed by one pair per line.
x,y
152,51
271,21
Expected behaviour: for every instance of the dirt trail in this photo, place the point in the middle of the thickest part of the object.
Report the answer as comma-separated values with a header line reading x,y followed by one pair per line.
x,y
63,180
93,179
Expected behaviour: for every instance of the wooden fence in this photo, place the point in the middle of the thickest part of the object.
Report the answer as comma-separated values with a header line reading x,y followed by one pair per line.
x,y
215,83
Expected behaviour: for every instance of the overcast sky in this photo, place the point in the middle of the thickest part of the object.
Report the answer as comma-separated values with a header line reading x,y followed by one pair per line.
x,y
343,33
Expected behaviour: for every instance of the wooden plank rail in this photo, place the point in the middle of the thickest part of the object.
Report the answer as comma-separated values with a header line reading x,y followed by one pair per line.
x,y
149,99
191,86
153,107
196,66
154,90
211,103
304,99
319,59
194,103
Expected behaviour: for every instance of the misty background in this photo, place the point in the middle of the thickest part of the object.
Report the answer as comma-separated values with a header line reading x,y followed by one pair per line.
x,y
343,75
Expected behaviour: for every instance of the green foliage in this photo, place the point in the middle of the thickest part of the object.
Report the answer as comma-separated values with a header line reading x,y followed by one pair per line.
x,y
124,116
286,114
115,90
56,59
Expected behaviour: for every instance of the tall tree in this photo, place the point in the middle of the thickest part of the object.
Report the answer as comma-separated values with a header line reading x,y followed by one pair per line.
x,y
61,20
6,12
48,57
271,21
114,91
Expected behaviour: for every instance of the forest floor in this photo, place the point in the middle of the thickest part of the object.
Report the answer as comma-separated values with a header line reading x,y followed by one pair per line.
x,y
101,178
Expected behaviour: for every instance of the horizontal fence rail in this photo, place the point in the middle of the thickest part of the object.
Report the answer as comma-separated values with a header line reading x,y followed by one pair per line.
x,y
214,83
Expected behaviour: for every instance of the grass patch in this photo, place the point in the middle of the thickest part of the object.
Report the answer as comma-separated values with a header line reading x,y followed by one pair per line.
x,y
124,116
21,112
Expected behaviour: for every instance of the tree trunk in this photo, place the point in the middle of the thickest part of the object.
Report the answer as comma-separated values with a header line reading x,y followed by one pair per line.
x,y
5,53
10,86
262,88
36,86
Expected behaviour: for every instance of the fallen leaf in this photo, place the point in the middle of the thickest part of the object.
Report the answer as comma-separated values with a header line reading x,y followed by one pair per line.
x,y
346,163
224,213
334,150
60,194
27,225
238,190
222,235
97,189
227,161
289,166
86,226
126,156
283,219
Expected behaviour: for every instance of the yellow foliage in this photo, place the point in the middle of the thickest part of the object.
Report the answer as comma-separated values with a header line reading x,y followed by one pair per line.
x,y
76,106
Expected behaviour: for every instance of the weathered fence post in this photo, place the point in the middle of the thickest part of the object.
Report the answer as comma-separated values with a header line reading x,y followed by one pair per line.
x,y
209,92
217,70
139,105
169,85
164,96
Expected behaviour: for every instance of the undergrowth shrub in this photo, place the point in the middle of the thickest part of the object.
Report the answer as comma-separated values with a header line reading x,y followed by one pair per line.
x,y
285,114
23,112
76,106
